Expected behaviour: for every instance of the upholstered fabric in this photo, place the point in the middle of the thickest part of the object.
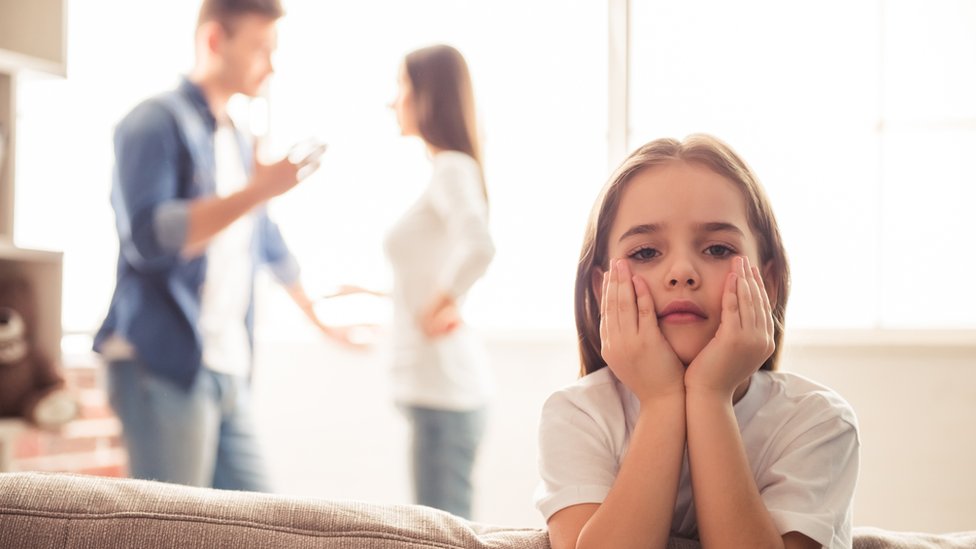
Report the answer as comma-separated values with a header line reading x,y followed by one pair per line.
x,y
40,510
875,538
62,511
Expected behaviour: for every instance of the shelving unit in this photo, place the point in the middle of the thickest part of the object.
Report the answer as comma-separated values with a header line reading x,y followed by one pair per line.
x,y
32,38
43,270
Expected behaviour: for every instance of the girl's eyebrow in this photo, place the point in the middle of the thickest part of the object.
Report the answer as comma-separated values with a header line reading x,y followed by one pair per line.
x,y
720,227
710,227
646,228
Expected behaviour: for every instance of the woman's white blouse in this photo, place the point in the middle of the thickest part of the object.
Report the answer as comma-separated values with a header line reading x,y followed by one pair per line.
x,y
441,243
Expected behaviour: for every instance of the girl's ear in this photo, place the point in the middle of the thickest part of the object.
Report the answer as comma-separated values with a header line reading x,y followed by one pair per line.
x,y
771,282
596,284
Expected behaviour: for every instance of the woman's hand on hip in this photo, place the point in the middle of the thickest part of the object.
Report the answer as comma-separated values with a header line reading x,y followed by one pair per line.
x,y
440,317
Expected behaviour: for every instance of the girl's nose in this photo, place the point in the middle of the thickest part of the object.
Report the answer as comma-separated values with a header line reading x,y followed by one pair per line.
x,y
682,273
688,282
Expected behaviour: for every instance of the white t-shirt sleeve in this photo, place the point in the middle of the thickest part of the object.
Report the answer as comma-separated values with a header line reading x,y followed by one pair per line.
x,y
577,462
810,485
457,195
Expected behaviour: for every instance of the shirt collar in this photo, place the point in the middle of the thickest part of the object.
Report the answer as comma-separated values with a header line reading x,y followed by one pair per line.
x,y
199,101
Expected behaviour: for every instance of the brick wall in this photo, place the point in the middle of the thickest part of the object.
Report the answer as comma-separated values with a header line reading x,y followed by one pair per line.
x,y
90,444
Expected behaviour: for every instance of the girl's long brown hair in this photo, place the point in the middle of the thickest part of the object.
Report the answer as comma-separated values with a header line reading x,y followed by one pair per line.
x,y
716,156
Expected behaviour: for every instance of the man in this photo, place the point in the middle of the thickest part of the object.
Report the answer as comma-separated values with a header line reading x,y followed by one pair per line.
x,y
190,205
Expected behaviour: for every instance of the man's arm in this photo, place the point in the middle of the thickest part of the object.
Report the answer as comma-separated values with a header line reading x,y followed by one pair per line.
x,y
210,215
300,297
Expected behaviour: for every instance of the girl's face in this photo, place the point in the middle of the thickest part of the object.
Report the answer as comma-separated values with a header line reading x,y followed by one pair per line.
x,y
403,105
680,225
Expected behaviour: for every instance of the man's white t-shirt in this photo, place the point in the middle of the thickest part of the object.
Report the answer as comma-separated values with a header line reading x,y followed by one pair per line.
x,y
800,438
227,286
441,243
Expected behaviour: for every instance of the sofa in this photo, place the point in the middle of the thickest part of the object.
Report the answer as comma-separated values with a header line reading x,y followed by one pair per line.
x,y
58,510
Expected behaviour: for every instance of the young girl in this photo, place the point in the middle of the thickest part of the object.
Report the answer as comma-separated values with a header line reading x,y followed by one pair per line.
x,y
680,424
438,249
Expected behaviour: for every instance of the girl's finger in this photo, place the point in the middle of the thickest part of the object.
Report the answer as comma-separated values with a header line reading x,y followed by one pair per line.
x,y
646,313
730,304
767,308
613,314
755,301
603,305
747,305
626,300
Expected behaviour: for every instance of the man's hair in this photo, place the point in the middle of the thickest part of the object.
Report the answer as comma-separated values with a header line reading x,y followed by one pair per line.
x,y
226,12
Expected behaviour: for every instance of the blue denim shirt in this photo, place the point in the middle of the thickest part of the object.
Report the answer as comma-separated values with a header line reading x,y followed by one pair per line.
x,y
164,160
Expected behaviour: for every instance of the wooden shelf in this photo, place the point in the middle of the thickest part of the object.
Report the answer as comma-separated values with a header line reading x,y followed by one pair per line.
x,y
42,269
32,36
10,428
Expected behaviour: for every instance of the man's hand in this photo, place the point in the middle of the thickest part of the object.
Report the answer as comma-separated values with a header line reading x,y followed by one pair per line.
x,y
277,178
359,338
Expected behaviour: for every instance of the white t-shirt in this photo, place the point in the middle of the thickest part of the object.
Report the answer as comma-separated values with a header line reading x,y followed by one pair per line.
x,y
227,286
441,243
800,438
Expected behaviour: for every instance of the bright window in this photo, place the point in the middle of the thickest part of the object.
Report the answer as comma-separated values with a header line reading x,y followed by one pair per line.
x,y
858,118
540,78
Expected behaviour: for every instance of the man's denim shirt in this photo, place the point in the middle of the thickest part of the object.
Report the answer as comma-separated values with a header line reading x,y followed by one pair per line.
x,y
164,160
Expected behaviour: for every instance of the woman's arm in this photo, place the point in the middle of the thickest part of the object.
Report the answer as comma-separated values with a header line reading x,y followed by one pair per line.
x,y
210,215
456,195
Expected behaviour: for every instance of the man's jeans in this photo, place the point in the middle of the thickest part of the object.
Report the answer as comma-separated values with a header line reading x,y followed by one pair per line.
x,y
201,437
443,450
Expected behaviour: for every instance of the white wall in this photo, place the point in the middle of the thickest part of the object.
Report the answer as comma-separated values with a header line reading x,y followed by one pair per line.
x,y
333,433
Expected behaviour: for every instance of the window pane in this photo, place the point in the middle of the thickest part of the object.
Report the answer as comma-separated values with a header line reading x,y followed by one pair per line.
x,y
539,70
929,269
540,77
794,89
64,137
929,60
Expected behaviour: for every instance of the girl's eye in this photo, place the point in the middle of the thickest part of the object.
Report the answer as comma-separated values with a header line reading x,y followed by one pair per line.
x,y
720,251
644,254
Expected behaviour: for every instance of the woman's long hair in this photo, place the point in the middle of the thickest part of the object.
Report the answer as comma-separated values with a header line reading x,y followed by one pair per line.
x,y
443,100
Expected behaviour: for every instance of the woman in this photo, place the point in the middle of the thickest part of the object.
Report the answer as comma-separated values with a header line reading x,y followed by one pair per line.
x,y
438,249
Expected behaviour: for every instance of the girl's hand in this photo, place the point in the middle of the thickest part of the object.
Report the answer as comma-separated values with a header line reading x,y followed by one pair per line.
x,y
631,341
744,339
441,317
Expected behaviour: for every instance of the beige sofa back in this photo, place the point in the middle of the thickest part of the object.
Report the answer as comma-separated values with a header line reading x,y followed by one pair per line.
x,y
42,510
60,511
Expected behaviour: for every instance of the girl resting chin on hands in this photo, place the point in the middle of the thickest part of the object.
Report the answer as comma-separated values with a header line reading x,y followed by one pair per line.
x,y
681,424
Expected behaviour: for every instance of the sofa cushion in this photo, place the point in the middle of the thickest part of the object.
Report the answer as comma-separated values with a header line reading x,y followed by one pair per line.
x,y
52,510
61,511
876,538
